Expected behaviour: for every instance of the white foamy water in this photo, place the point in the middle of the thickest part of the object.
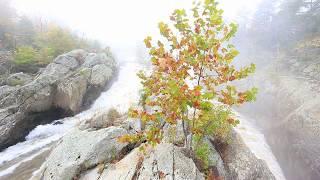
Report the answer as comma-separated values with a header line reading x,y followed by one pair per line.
x,y
124,93
25,148
256,141
121,95
13,167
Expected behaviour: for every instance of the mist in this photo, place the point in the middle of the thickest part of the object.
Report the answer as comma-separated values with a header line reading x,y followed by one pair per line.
x,y
121,23
282,37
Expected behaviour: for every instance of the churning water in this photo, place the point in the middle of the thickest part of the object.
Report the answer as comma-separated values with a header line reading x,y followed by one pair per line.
x,y
121,95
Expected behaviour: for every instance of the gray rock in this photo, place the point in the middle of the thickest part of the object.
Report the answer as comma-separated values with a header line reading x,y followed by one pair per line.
x,y
132,125
215,161
18,79
5,91
68,61
125,169
100,75
94,59
40,101
61,89
92,174
104,119
241,163
165,161
169,162
7,121
98,121
69,93
81,150
296,127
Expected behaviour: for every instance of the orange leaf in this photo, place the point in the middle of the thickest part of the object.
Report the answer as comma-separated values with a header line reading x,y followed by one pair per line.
x,y
197,92
196,104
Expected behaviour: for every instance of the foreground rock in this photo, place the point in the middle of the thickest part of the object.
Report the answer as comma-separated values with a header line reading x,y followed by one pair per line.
x,y
166,161
92,153
73,80
241,163
81,150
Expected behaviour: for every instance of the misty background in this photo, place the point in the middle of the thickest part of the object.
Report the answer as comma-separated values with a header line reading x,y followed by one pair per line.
x,y
120,24
280,36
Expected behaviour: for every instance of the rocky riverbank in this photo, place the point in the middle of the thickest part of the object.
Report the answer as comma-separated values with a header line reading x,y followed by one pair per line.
x,y
89,152
72,81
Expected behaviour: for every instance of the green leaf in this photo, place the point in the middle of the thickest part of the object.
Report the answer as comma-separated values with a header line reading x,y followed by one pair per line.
x,y
208,95
206,105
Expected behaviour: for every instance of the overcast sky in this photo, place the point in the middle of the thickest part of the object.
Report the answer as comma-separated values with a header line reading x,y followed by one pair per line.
x,y
116,21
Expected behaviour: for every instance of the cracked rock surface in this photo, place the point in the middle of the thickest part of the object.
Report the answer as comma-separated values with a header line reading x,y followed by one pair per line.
x,y
81,150
89,154
242,164
165,161
169,162
61,89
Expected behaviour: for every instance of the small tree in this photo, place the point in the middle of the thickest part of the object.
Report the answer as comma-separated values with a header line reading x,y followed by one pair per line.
x,y
25,55
192,75
57,39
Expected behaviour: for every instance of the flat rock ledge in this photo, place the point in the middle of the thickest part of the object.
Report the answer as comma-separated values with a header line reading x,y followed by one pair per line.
x,y
80,150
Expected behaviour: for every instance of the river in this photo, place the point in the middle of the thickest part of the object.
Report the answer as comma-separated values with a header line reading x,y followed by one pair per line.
x,y
23,159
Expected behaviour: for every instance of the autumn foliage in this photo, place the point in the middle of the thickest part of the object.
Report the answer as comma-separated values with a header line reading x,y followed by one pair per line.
x,y
192,77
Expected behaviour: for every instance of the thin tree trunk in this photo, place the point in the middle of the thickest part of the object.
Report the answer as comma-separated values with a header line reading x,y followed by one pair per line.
x,y
195,110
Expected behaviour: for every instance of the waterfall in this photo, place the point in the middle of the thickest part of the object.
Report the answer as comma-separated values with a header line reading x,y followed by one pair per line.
x,y
121,95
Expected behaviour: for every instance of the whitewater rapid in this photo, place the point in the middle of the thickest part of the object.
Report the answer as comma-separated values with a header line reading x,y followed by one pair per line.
x,y
121,95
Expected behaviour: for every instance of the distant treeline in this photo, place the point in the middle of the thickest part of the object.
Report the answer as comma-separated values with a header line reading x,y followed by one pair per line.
x,y
36,41
282,23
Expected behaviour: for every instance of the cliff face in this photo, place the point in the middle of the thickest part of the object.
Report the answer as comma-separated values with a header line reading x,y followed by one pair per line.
x,y
287,108
61,89
295,130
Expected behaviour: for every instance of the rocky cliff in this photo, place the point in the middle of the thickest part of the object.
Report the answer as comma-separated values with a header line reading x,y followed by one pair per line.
x,y
72,81
288,109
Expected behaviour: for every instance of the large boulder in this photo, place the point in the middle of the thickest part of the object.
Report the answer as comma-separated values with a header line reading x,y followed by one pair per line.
x,y
60,90
241,163
169,161
69,94
80,150
165,161
125,169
